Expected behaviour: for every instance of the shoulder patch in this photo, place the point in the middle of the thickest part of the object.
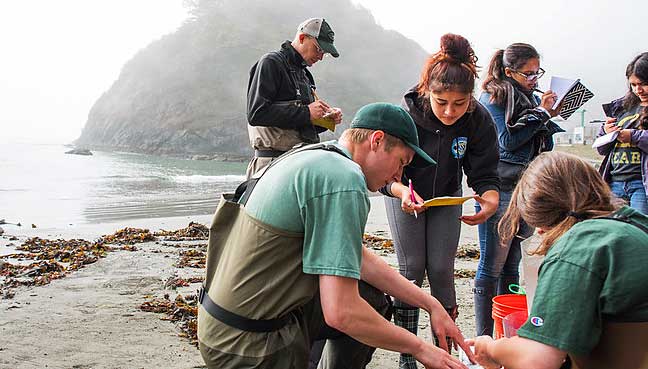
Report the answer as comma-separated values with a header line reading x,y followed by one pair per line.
x,y
459,145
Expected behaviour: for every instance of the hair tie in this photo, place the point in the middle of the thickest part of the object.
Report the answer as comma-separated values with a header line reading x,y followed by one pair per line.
x,y
578,216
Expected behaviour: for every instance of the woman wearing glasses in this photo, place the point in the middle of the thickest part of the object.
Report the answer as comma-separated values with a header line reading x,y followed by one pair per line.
x,y
458,132
524,130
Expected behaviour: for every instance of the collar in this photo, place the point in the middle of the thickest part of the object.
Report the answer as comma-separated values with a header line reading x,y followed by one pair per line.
x,y
293,56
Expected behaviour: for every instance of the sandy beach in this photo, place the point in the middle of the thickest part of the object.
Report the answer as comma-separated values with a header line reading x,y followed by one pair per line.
x,y
92,318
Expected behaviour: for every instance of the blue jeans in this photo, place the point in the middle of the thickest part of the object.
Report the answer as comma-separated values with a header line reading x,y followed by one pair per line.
x,y
495,260
633,192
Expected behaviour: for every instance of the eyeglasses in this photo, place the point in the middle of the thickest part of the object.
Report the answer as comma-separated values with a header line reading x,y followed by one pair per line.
x,y
317,46
531,76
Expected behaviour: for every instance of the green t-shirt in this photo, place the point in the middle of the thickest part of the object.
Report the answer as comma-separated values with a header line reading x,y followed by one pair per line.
x,y
597,271
323,195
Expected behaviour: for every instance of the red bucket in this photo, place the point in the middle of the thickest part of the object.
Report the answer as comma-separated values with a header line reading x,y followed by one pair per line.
x,y
504,305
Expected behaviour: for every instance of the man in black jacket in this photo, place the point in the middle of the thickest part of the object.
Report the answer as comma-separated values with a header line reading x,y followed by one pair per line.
x,y
281,100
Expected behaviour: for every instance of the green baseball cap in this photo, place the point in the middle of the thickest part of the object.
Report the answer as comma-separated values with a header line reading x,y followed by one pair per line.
x,y
321,30
393,120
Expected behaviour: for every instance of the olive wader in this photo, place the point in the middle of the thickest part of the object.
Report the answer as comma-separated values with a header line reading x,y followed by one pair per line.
x,y
271,142
267,322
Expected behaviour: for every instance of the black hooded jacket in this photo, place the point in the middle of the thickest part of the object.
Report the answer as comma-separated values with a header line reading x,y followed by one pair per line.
x,y
279,91
469,144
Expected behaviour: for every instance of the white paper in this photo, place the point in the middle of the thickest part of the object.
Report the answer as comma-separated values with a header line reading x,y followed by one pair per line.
x,y
561,86
605,139
464,359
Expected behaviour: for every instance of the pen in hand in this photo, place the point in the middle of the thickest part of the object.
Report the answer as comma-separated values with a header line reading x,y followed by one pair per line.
x,y
412,197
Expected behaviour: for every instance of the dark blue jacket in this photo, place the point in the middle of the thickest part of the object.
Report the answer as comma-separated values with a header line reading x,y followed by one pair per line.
x,y
522,145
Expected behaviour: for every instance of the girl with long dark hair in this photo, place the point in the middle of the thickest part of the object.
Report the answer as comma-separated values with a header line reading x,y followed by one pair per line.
x,y
457,132
625,166
524,130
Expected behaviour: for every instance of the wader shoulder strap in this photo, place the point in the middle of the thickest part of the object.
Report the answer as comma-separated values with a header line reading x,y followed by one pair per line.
x,y
244,190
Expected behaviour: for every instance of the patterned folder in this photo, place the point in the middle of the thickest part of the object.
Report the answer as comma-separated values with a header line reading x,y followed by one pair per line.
x,y
575,98
571,92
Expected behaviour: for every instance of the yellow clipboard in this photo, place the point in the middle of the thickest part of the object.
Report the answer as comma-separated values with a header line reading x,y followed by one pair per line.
x,y
326,123
446,201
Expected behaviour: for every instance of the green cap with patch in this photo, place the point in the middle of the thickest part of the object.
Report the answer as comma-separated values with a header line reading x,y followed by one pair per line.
x,y
393,120
320,29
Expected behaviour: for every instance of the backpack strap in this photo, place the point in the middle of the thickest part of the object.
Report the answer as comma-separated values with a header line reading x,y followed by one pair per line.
x,y
626,220
244,190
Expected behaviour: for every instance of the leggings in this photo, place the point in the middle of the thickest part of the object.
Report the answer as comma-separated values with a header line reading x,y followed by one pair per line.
x,y
426,244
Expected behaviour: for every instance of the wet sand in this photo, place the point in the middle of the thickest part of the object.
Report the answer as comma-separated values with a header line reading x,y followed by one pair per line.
x,y
91,318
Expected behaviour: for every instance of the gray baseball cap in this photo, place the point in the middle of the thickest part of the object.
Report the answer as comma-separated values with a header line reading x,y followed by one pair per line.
x,y
320,29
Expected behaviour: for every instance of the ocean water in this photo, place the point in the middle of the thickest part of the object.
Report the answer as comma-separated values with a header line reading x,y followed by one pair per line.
x,y
40,184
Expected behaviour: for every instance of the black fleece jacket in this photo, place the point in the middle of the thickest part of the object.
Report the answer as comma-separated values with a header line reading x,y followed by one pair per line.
x,y
279,91
469,144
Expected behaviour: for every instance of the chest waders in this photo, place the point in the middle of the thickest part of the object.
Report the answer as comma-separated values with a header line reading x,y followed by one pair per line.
x,y
622,344
223,230
270,142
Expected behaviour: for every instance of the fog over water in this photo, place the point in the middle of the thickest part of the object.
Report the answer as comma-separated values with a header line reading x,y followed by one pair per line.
x,y
59,57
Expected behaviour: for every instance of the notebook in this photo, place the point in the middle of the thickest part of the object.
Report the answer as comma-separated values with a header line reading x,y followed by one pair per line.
x,y
571,92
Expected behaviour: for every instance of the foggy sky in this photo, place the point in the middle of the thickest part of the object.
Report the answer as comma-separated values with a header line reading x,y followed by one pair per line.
x,y
58,57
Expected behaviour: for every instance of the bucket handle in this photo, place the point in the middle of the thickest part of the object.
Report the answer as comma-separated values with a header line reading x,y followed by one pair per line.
x,y
516,289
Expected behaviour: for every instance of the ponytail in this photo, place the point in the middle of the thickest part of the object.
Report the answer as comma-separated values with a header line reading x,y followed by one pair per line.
x,y
494,78
514,57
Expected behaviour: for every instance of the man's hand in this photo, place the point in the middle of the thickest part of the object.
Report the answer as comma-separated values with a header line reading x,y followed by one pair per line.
x,y
317,109
444,327
433,357
335,114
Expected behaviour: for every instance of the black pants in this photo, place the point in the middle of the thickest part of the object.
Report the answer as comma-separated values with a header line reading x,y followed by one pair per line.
x,y
335,349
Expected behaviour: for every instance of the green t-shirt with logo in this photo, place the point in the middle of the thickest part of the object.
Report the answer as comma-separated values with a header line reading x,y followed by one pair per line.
x,y
597,271
323,195
626,159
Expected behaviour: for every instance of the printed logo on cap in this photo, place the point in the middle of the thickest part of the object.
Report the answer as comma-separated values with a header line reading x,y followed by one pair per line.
x,y
459,145
537,321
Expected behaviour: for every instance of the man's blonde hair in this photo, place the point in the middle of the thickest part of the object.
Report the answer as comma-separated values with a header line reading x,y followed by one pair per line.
x,y
359,135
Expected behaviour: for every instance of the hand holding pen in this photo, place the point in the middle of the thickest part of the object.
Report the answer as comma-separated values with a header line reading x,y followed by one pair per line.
x,y
412,198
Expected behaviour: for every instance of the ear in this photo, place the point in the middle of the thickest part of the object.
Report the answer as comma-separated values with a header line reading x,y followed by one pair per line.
x,y
508,72
376,139
302,36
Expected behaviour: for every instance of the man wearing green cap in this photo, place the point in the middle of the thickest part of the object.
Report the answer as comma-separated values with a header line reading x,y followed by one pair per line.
x,y
285,257
281,101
